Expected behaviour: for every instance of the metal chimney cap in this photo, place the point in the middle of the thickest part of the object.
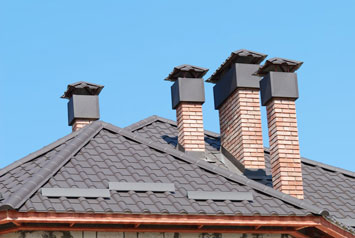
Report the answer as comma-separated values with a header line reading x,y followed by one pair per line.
x,y
186,71
82,88
240,56
279,65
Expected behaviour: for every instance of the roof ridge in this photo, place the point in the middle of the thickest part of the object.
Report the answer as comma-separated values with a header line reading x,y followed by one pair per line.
x,y
153,118
223,172
139,124
51,167
327,166
37,153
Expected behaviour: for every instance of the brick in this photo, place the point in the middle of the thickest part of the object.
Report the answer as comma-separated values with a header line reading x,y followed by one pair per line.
x,y
284,147
240,124
190,126
80,123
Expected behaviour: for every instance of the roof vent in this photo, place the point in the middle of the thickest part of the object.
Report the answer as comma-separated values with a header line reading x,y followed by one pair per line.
x,y
83,105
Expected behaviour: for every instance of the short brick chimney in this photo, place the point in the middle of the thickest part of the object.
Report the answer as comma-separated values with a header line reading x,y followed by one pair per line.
x,y
188,95
279,91
236,96
83,105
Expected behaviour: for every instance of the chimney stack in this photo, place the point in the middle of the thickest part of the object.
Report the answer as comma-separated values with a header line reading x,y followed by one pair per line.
x,y
279,91
236,96
83,105
188,95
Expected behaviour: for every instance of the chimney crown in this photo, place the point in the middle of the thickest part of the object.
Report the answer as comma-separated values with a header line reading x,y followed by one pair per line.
x,y
186,71
82,88
240,56
279,65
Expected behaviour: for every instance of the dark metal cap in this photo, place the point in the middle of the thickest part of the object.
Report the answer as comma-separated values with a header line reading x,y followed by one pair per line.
x,y
279,65
82,88
186,71
240,56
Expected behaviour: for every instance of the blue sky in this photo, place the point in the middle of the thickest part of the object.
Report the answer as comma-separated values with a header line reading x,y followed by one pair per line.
x,y
131,46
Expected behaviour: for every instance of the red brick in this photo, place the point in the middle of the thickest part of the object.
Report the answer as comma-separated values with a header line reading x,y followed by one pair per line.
x,y
240,124
284,147
190,126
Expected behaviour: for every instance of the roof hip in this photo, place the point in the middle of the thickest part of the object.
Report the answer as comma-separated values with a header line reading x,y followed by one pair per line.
x,y
51,167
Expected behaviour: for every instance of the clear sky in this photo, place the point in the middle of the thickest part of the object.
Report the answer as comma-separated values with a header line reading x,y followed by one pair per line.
x,y
131,46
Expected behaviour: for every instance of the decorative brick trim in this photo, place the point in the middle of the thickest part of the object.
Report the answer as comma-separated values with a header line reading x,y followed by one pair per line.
x,y
284,147
80,123
190,126
240,125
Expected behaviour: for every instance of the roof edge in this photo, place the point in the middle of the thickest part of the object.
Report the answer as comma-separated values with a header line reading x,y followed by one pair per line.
x,y
52,166
37,153
328,167
223,172
154,118
151,119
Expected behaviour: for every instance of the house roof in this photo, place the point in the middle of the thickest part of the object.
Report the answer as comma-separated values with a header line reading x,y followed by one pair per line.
x,y
146,151
324,185
102,153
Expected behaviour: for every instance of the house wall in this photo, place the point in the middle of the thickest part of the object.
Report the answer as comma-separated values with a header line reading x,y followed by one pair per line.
x,y
89,234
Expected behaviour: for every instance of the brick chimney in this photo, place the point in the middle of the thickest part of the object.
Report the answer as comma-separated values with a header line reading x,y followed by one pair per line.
x,y
236,96
83,105
188,95
279,91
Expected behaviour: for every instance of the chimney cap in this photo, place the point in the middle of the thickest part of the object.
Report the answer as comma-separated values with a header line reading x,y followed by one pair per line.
x,y
279,65
82,88
186,71
242,56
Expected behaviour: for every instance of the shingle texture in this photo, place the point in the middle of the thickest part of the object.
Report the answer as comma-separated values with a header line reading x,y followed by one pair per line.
x,y
101,153
325,186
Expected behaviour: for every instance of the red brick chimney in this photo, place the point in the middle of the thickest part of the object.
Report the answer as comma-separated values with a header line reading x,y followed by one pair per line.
x,y
83,105
279,91
236,96
188,95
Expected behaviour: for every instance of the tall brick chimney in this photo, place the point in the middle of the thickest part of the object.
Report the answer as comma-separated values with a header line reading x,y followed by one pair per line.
x,y
188,95
83,105
279,91
236,96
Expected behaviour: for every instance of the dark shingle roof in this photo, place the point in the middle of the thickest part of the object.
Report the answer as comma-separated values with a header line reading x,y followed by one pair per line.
x,y
324,185
102,153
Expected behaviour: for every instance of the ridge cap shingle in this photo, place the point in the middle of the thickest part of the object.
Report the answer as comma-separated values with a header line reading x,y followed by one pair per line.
x,y
55,163
220,171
